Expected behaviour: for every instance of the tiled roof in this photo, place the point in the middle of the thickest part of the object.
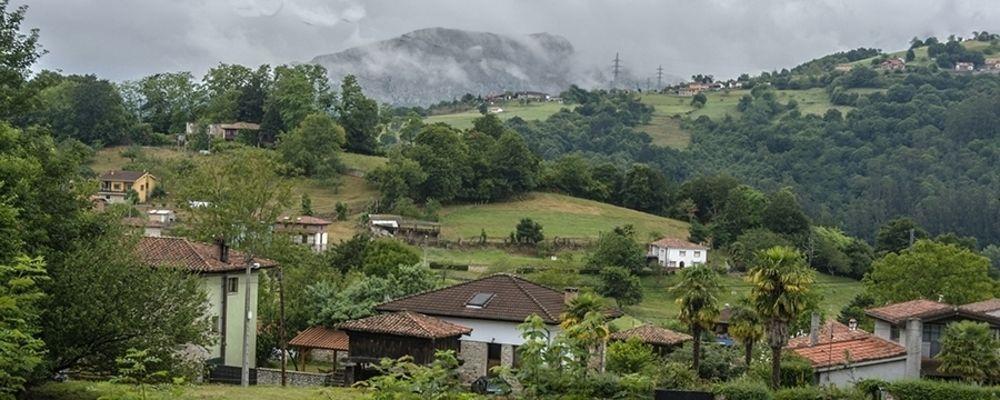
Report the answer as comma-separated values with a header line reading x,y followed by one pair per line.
x,y
197,257
138,222
124,176
991,307
652,335
406,323
899,312
321,337
303,220
514,299
674,243
856,346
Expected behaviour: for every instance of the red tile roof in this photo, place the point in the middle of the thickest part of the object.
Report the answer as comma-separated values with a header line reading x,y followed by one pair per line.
x,y
514,299
194,256
321,337
121,176
674,243
991,306
406,323
899,312
652,335
138,222
843,345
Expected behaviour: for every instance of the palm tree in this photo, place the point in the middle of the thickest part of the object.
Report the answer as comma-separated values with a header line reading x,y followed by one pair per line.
x,y
578,307
697,293
584,320
780,283
745,326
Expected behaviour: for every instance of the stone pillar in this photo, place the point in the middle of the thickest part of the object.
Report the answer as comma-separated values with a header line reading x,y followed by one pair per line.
x,y
474,360
914,341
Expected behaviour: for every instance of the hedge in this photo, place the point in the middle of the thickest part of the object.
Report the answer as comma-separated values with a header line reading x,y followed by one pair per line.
x,y
819,393
937,390
743,390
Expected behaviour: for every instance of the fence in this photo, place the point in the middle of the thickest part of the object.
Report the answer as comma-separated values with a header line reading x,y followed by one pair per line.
x,y
270,376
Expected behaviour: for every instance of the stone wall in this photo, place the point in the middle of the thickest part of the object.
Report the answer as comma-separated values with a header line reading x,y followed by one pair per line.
x,y
272,377
474,356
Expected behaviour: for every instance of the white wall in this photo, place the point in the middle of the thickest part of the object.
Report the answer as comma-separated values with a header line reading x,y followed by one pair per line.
x,y
671,257
494,331
846,377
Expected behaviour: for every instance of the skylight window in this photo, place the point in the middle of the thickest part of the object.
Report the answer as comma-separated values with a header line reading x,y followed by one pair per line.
x,y
479,300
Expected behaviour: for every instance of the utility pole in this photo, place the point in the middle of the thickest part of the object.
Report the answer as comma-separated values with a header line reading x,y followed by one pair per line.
x,y
615,70
281,328
247,318
659,78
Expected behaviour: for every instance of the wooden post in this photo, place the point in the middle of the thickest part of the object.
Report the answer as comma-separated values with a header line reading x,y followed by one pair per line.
x,y
281,327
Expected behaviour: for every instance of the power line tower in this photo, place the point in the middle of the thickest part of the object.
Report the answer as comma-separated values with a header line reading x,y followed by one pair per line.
x,y
616,68
659,77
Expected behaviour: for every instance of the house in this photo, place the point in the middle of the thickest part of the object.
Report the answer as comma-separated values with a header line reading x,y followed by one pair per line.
x,y
307,230
893,64
843,67
397,334
145,226
492,307
396,225
692,89
841,355
992,64
163,216
529,95
115,185
662,340
224,279
231,131
965,67
918,325
676,253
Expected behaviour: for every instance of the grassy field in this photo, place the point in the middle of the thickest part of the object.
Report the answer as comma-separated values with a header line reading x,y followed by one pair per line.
x,y
530,111
920,54
361,162
81,390
560,216
658,305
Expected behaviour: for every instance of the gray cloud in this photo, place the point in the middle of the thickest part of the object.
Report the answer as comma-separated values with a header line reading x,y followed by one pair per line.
x,y
126,39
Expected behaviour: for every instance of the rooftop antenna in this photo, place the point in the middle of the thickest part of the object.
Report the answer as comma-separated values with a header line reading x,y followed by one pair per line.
x,y
615,70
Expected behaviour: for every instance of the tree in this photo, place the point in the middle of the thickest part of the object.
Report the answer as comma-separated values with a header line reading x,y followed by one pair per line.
x,y
19,323
746,327
742,210
910,55
305,205
970,350
136,368
169,101
359,117
930,270
631,356
697,293
490,125
18,52
993,253
103,301
617,248
621,285
341,209
779,292
784,215
644,189
699,100
528,232
514,166
313,148
327,303
895,235
382,257
84,108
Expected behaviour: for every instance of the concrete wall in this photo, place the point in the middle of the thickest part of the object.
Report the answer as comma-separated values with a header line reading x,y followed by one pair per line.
x,y
846,377
494,331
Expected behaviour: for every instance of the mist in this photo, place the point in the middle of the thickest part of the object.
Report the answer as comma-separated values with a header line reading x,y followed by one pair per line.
x,y
128,39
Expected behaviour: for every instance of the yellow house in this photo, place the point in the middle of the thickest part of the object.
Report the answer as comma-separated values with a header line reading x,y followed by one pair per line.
x,y
115,185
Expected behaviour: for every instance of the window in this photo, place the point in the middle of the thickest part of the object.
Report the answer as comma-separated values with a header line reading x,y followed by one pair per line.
x,y
683,253
517,357
697,254
894,333
479,300
493,351
232,285
932,336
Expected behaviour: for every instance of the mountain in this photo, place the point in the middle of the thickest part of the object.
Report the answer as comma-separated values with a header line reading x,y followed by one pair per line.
x,y
434,64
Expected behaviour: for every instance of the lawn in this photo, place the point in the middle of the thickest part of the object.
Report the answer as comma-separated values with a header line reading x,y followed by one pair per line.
x,y
560,216
361,162
83,390
658,305
530,111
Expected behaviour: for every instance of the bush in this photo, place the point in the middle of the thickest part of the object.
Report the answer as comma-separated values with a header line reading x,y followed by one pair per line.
x,y
743,390
795,370
934,390
630,357
674,375
718,362
818,393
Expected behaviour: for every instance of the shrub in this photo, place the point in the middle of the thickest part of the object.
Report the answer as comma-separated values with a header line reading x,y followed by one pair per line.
x,y
934,390
674,375
630,356
818,393
795,370
743,390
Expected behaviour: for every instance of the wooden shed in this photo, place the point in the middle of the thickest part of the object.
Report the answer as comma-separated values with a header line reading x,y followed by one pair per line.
x,y
399,334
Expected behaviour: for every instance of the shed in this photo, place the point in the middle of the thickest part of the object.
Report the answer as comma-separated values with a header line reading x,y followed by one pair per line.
x,y
319,338
663,340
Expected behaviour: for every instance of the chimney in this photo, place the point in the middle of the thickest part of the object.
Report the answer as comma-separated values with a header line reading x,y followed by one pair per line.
x,y
814,330
570,293
914,343
223,250
853,324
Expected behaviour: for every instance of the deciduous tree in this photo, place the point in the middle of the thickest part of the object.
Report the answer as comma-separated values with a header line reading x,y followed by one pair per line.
x,y
931,270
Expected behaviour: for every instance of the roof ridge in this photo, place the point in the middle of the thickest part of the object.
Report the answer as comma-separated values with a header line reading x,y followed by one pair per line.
x,y
517,283
413,317
196,252
443,288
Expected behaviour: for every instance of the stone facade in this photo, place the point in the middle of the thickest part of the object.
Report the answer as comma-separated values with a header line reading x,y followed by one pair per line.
x,y
272,377
473,355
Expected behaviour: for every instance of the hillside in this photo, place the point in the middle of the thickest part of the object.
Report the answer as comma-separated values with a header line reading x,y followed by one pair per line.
x,y
428,65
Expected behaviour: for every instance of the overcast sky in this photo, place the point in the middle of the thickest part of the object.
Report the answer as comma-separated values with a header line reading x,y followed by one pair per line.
x,y
127,39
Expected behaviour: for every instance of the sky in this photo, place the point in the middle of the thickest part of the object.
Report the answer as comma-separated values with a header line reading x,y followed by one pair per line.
x,y
128,39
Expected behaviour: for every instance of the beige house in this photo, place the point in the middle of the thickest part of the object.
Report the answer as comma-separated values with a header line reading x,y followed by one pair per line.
x,y
115,185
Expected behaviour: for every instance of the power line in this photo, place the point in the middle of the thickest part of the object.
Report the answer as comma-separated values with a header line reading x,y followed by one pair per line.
x,y
615,70
659,77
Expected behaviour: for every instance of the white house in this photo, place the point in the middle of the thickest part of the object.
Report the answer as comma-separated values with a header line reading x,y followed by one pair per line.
x,y
492,307
163,216
307,230
677,253
843,355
